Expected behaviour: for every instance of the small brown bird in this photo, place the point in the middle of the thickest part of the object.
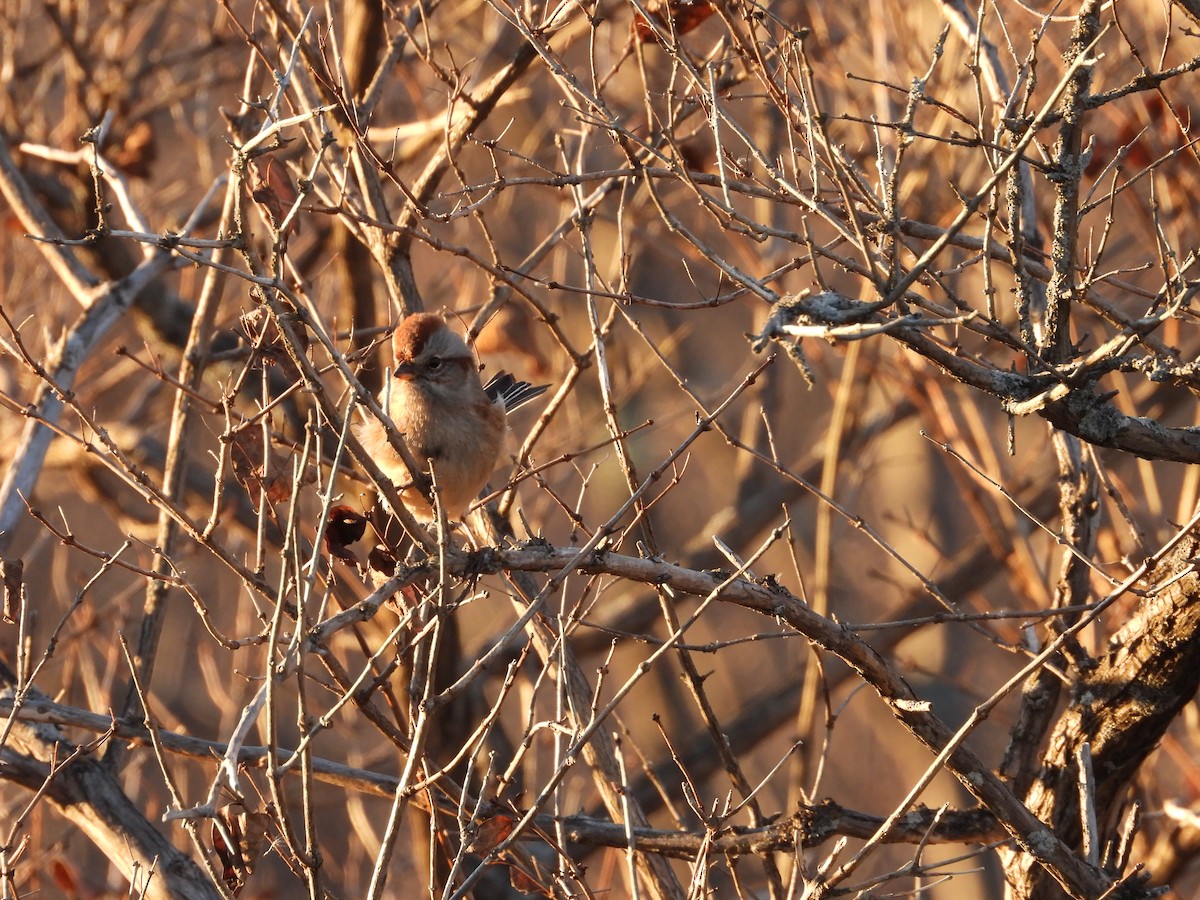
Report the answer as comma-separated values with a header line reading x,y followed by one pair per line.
x,y
449,419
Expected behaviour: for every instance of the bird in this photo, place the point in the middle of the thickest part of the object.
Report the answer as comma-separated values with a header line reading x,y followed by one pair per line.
x,y
451,421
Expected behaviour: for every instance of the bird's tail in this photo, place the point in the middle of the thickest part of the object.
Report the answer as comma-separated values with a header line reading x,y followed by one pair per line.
x,y
510,392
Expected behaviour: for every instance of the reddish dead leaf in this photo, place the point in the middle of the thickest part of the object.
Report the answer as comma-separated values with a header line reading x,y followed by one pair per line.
x,y
489,833
238,838
65,879
526,883
381,561
258,470
678,16
272,187
343,527
227,844
246,454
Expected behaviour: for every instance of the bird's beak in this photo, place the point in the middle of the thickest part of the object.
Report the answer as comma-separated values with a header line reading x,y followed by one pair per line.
x,y
406,370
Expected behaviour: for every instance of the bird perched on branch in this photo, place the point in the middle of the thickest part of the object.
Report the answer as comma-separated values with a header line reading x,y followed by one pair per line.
x,y
450,420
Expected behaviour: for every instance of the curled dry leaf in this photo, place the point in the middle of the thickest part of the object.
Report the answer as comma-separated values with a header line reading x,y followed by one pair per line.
x,y
263,332
227,844
677,16
381,560
343,527
539,882
238,838
258,468
272,188
487,833
12,571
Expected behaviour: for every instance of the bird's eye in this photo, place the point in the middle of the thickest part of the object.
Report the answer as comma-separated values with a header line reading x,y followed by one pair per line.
x,y
435,363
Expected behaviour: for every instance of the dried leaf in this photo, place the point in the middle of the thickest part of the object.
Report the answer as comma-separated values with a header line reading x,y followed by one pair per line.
x,y
272,187
526,883
381,561
226,834
238,838
65,879
488,833
12,571
258,470
344,527
678,16
263,332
